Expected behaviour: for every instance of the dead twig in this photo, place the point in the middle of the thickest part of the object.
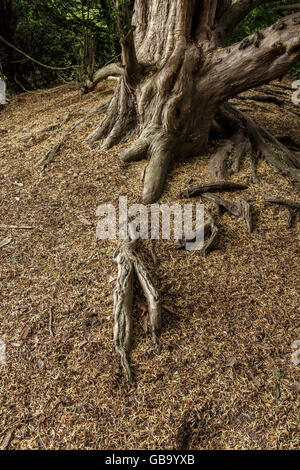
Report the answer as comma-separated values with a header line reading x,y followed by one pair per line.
x,y
5,443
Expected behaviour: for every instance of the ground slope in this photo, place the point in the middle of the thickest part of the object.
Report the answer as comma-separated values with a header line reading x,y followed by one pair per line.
x,y
224,379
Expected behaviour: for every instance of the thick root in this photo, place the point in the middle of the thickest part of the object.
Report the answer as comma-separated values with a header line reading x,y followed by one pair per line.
x,y
138,150
218,165
122,131
157,169
120,121
105,125
101,74
123,298
129,263
285,160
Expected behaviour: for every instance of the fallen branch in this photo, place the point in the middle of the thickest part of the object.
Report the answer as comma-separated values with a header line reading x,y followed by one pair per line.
x,y
213,235
96,110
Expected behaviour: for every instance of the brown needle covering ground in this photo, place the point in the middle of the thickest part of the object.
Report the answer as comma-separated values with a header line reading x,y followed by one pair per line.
x,y
224,378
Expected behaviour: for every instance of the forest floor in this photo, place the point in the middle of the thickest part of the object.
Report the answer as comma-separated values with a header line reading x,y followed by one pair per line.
x,y
224,379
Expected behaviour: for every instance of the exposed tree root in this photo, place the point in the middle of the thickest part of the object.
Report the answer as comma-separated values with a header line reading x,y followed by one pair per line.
x,y
120,121
153,300
139,149
160,156
221,186
241,209
288,142
213,235
129,263
94,111
51,127
153,253
123,299
101,74
283,202
210,231
281,158
218,165
181,244
223,204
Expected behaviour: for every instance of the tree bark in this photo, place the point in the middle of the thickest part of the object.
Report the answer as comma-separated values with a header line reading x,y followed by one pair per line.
x,y
177,74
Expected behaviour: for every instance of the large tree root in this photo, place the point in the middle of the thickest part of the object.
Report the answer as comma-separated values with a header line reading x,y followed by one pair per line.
x,y
263,144
129,264
123,298
243,137
120,121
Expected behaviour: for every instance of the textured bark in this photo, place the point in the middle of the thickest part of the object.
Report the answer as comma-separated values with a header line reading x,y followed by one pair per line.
x,y
177,74
129,265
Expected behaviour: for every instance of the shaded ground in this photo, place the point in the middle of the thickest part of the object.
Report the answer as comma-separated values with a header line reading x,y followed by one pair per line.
x,y
224,379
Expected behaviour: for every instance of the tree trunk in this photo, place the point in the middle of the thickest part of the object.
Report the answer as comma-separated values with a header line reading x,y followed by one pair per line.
x,y
176,73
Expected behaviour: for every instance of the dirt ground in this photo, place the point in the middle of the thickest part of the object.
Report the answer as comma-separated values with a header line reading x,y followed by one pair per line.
x,y
224,378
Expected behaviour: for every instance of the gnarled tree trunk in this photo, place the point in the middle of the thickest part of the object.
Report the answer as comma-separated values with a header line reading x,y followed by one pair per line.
x,y
177,73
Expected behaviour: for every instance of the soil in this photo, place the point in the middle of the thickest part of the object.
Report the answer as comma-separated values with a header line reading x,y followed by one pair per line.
x,y
224,379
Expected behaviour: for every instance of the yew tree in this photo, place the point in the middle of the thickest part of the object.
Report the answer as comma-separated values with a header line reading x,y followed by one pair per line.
x,y
176,76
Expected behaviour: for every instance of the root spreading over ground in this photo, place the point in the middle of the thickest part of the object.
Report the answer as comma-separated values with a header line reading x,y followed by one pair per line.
x,y
225,378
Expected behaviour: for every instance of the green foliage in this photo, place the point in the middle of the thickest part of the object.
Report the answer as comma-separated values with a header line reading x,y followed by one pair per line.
x,y
58,33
